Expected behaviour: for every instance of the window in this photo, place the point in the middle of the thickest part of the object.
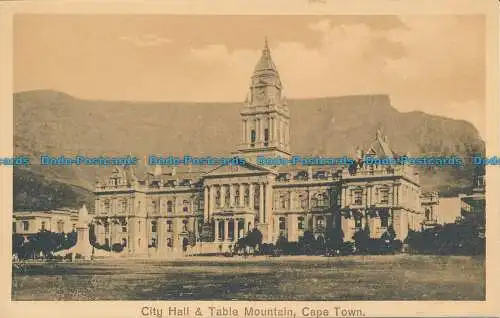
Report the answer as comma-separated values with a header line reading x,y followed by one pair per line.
x,y
320,222
124,242
283,201
253,136
153,226
358,197
169,242
73,227
266,137
217,198
256,198
153,206
282,223
169,206
139,227
384,196
427,214
185,225
300,222
246,197
14,227
237,198
139,242
321,199
123,206
357,221
107,206
43,226
124,229
60,226
169,226
106,228
303,201
384,220
185,206
227,196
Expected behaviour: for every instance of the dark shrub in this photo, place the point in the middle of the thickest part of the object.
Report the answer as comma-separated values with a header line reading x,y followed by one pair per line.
x,y
117,247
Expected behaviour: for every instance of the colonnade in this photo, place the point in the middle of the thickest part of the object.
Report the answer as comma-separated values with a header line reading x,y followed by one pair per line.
x,y
213,204
278,130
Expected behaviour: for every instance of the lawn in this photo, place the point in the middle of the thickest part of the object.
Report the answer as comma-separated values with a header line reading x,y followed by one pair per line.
x,y
399,277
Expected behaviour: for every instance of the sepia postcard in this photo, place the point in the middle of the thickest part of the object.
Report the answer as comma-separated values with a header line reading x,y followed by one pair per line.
x,y
249,159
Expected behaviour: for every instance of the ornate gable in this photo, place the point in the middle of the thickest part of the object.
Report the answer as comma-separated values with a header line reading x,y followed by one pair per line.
x,y
247,168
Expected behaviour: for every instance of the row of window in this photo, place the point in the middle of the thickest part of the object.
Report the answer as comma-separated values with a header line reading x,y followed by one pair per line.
x,y
319,200
383,195
43,226
168,206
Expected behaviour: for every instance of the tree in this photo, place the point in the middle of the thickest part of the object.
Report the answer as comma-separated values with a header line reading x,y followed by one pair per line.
x,y
17,243
362,239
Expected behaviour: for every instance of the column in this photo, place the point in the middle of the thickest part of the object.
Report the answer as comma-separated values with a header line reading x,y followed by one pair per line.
x,y
222,195
269,203
235,230
261,204
226,230
216,230
271,130
257,130
211,201
282,132
205,207
244,132
251,195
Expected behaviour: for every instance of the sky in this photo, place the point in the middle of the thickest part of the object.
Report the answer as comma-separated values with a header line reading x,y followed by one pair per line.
x,y
429,63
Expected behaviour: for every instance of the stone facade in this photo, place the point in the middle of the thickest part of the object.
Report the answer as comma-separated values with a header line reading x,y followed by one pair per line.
x,y
32,222
160,213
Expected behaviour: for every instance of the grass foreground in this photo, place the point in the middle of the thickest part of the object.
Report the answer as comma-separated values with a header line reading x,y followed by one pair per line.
x,y
393,277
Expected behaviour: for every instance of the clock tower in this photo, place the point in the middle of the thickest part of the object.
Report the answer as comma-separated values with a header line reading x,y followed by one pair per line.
x,y
265,116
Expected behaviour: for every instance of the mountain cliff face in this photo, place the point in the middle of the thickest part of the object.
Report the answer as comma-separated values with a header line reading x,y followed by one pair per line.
x,y
56,123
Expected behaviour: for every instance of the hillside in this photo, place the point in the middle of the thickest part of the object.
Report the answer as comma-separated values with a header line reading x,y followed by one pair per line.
x,y
56,123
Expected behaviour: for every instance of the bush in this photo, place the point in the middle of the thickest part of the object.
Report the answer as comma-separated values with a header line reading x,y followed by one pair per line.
x,y
117,247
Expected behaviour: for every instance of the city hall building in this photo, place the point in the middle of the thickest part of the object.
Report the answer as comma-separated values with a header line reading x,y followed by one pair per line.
x,y
160,212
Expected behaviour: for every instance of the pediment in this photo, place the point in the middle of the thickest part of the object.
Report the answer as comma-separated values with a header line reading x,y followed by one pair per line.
x,y
246,169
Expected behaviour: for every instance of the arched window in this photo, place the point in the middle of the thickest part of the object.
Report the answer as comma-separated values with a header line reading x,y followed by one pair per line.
x,y
246,197
217,198
227,196
185,206
303,201
237,198
256,198
358,197
169,242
